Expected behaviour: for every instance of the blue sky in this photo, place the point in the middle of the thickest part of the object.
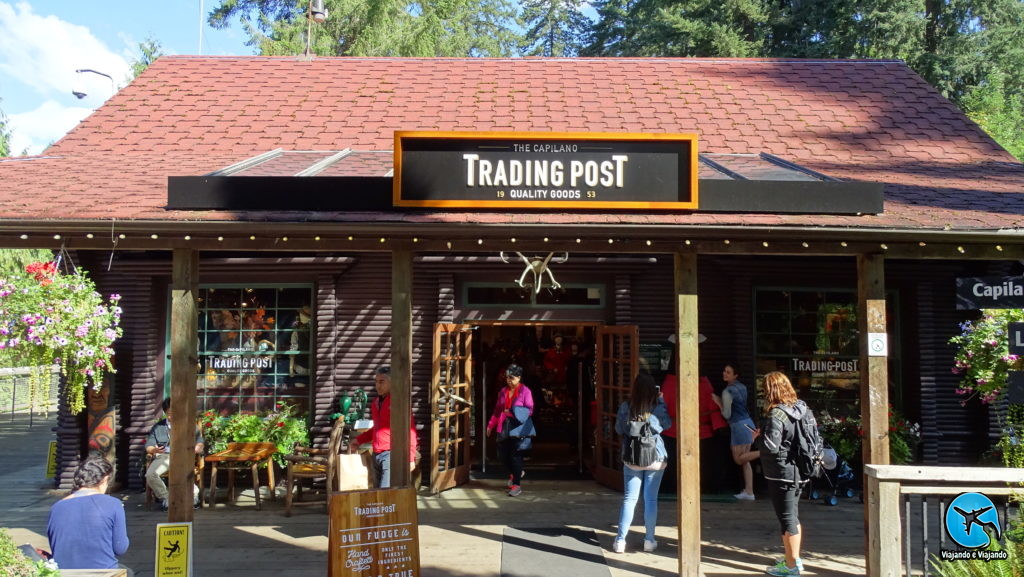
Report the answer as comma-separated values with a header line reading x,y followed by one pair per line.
x,y
43,42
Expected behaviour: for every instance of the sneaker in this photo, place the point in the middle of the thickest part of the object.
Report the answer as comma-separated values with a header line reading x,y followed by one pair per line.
x,y
163,505
515,491
799,563
509,484
619,546
650,545
781,570
744,496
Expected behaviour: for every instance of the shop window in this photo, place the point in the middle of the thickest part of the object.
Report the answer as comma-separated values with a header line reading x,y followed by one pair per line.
x,y
811,336
510,294
255,347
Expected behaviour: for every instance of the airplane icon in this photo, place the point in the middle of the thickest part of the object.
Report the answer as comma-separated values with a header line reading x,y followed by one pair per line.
x,y
971,519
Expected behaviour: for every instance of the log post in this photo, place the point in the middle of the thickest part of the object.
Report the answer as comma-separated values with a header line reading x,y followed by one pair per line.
x,y
687,426
401,364
184,344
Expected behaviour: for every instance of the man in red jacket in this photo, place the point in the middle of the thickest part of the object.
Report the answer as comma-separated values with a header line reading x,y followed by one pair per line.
x,y
380,433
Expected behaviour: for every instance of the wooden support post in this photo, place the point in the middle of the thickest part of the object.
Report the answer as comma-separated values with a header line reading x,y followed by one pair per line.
x,y
401,364
874,389
184,344
687,422
883,521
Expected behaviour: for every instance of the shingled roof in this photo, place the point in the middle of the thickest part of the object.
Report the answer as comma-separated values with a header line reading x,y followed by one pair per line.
x,y
856,120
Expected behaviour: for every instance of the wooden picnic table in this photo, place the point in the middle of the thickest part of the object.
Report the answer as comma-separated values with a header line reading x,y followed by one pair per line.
x,y
241,456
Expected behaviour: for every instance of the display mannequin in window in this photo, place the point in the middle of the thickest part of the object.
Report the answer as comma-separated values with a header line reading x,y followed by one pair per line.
x,y
297,365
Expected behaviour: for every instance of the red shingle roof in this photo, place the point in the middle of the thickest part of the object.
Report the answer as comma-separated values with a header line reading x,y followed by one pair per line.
x,y
858,120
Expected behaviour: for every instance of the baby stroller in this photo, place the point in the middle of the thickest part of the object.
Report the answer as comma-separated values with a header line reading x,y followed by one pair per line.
x,y
834,481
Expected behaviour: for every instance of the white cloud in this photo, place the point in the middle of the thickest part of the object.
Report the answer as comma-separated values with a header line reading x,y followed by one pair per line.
x,y
43,52
35,130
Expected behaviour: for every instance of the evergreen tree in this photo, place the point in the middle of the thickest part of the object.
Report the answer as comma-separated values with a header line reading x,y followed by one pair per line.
x,y
553,27
376,27
1001,115
149,51
5,136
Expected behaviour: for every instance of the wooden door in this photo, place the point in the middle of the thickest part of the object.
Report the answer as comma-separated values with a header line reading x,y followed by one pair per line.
x,y
451,402
617,356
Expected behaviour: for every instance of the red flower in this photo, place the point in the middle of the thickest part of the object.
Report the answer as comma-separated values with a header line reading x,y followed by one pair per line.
x,y
42,271
280,424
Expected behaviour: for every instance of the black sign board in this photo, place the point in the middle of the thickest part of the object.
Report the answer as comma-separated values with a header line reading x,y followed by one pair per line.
x,y
990,292
1015,387
545,170
1015,336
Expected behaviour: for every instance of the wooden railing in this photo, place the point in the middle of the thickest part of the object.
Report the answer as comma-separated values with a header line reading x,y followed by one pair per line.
x,y
895,532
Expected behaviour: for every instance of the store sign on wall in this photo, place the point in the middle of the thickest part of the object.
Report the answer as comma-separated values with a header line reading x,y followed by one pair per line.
x,y
374,533
989,292
545,170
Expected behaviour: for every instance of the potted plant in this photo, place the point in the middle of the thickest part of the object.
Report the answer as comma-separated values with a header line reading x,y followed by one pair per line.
x,y
50,318
982,359
280,426
846,436
14,564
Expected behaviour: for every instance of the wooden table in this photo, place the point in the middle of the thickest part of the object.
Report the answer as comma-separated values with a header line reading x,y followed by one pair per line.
x,y
240,456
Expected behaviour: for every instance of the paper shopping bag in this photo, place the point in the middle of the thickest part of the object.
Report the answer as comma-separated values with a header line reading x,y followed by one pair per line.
x,y
353,474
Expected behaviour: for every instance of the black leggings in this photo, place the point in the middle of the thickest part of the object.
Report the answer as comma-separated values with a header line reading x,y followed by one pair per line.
x,y
785,499
512,458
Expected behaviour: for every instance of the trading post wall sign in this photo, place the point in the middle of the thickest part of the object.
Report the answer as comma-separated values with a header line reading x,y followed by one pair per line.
x,y
545,170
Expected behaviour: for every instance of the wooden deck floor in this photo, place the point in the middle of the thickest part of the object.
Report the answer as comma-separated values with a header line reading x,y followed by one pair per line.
x,y
460,530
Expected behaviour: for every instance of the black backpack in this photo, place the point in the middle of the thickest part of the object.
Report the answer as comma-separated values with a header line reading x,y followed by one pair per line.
x,y
639,445
807,450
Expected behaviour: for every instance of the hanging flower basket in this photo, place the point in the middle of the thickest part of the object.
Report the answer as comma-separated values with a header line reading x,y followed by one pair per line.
x,y
982,359
50,318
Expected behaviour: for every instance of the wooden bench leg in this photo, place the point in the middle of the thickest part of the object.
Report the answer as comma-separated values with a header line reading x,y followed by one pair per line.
x,y
256,485
213,484
270,479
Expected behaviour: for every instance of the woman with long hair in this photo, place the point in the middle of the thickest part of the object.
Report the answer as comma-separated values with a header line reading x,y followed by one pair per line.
x,y
645,404
733,404
775,440
87,528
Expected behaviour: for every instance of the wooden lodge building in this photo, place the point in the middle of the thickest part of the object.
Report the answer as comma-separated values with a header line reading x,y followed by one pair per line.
x,y
333,214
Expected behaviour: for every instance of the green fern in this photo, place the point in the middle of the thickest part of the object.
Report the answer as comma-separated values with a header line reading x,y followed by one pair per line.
x,y
1010,567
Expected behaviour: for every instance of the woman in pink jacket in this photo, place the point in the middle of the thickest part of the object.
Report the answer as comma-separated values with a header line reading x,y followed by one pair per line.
x,y
515,405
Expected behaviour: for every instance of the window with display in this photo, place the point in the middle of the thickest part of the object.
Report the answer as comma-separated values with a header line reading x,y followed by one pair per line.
x,y
811,336
255,347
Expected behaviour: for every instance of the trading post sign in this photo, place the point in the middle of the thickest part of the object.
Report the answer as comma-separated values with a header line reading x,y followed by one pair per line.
x,y
374,533
545,170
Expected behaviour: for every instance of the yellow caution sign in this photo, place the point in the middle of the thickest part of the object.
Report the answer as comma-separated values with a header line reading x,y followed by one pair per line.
x,y
173,550
51,461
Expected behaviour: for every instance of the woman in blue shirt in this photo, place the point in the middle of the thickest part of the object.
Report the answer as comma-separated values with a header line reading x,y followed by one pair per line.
x,y
87,528
734,408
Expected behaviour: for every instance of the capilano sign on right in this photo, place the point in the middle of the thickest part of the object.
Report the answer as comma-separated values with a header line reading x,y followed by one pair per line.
x,y
974,293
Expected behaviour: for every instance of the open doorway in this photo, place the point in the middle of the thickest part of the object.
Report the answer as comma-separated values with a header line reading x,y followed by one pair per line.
x,y
558,364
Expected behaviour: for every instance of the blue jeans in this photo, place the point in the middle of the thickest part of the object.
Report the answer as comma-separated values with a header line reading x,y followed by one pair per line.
x,y
382,464
632,482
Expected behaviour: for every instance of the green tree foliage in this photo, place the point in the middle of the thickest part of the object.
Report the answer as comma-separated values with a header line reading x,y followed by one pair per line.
x,y
5,136
971,51
553,27
998,112
376,27
149,51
